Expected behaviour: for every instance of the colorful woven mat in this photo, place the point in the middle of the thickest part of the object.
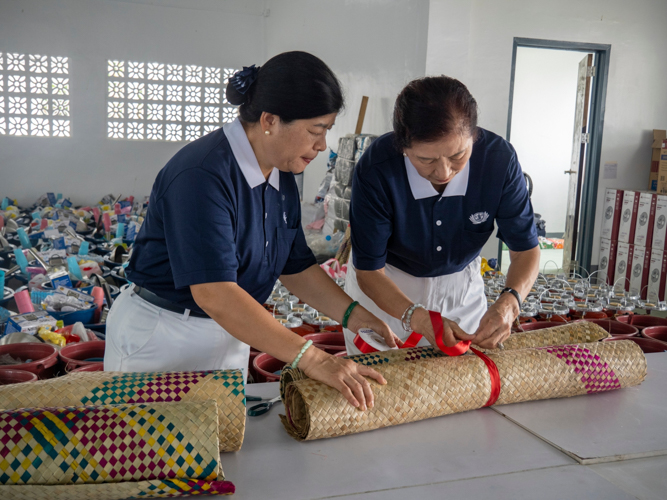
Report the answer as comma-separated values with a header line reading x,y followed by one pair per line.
x,y
424,384
572,333
104,388
112,451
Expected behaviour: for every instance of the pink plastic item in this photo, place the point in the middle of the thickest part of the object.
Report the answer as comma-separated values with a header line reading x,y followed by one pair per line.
x,y
23,302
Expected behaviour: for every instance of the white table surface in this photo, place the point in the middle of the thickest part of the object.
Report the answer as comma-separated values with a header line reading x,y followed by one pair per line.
x,y
479,443
644,478
616,425
554,483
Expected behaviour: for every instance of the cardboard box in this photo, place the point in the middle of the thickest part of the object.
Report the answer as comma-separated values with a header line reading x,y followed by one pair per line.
x,y
657,274
641,263
659,137
645,220
660,223
607,260
653,180
659,157
626,228
611,213
623,260
29,322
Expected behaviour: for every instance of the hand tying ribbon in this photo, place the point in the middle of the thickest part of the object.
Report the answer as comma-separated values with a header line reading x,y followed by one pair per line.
x,y
456,350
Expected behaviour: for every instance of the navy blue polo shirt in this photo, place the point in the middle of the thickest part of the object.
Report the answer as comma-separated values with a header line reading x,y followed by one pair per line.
x,y
398,218
213,217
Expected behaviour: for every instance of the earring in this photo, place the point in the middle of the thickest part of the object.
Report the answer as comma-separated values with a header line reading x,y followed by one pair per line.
x,y
404,154
267,132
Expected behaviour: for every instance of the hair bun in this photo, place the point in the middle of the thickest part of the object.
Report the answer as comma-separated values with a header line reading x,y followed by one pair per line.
x,y
233,96
239,84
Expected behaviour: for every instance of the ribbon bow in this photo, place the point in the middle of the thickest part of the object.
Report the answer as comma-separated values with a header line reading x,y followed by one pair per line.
x,y
242,80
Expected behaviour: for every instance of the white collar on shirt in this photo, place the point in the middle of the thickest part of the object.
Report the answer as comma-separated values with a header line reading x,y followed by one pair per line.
x,y
245,157
422,188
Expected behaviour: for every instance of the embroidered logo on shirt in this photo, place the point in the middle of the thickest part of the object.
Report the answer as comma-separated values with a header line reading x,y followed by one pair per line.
x,y
479,217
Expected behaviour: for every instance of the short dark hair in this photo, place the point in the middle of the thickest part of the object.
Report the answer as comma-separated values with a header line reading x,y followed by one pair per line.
x,y
433,107
294,86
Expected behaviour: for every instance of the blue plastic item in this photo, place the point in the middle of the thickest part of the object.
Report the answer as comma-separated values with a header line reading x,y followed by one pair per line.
x,y
23,237
120,230
36,215
5,203
2,284
83,249
74,268
38,296
69,318
21,261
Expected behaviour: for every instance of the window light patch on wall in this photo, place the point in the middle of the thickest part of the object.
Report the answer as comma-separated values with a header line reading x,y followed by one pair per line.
x,y
165,102
34,89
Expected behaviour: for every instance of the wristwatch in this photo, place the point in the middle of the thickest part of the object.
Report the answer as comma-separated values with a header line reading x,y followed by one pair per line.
x,y
515,293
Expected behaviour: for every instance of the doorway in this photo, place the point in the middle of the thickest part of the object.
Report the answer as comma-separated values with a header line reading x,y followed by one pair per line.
x,y
555,122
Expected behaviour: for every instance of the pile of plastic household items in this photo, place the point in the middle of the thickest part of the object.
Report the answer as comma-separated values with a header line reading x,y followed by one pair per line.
x,y
62,265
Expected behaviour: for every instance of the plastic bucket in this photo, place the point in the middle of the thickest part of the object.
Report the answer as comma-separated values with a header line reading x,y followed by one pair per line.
x,y
81,354
304,330
16,377
93,367
537,325
655,333
44,358
341,354
647,345
329,342
251,368
641,321
69,318
265,365
615,328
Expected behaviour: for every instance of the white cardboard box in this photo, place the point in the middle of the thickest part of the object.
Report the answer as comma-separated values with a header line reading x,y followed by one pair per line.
x,y
623,259
626,227
611,213
641,262
657,272
660,223
645,219
607,261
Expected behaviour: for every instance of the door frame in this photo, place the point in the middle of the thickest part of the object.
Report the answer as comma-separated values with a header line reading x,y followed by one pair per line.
x,y
589,188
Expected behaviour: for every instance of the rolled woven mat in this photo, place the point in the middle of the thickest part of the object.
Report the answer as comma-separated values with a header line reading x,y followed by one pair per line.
x,y
570,333
103,388
424,385
110,452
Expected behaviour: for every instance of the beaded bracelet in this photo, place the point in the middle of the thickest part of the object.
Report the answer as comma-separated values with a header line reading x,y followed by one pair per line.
x,y
303,350
346,316
406,319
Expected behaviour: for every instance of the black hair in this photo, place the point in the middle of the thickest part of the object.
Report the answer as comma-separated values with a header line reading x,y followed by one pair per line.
x,y
433,107
294,86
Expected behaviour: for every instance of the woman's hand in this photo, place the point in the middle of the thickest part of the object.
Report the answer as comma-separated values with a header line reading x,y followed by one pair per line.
x,y
362,318
496,325
346,376
452,333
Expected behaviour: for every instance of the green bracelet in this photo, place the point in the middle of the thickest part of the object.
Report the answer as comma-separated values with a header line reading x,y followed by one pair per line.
x,y
303,349
346,316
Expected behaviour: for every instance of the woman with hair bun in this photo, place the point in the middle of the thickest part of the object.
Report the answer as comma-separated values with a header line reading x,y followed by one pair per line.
x,y
424,202
223,224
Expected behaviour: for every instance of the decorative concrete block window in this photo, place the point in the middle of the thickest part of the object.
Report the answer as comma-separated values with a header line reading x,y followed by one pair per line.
x,y
166,102
34,95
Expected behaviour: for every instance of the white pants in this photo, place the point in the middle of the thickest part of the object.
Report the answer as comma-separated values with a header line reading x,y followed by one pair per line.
x,y
458,297
142,337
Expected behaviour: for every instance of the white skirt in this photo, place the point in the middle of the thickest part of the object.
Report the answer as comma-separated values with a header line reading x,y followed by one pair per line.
x,y
458,297
142,337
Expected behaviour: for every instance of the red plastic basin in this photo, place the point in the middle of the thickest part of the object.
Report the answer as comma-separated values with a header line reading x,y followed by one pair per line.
x,y
79,354
647,345
655,333
328,341
44,358
16,377
641,321
615,328
93,367
265,365
341,354
537,325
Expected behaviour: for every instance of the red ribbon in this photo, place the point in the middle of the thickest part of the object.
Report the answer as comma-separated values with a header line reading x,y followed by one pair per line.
x,y
460,348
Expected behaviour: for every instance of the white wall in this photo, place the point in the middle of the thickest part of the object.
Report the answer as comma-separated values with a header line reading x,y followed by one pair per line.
x,y
472,41
88,165
543,108
374,46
